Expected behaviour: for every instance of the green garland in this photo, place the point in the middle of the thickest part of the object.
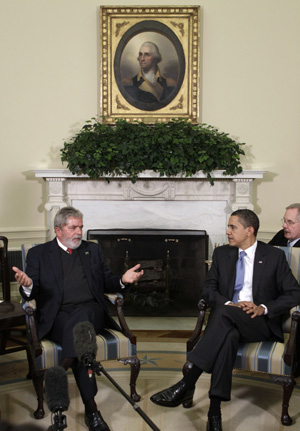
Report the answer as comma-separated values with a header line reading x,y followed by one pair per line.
x,y
170,148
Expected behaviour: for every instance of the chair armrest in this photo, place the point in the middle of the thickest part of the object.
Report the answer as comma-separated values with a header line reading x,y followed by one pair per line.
x,y
290,353
120,313
112,297
34,343
202,306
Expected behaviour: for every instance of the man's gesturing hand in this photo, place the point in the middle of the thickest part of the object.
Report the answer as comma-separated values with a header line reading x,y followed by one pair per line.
x,y
131,275
21,277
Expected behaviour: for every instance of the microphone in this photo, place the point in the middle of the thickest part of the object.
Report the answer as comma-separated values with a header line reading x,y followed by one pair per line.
x,y
57,394
85,345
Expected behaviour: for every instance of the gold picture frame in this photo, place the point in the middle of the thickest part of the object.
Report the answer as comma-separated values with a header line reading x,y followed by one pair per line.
x,y
175,32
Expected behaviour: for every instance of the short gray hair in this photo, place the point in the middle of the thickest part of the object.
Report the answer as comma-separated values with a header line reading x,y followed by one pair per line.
x,y
295,206
154,50
63,214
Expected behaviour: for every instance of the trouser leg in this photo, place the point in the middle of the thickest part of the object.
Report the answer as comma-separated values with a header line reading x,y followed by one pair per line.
x,y
66,320
216,351
221,375
87,385
62,333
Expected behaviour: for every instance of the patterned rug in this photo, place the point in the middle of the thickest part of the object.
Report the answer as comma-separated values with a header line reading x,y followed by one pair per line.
x,y
256,402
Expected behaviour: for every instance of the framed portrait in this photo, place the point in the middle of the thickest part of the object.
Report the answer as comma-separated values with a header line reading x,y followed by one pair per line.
x,y
149,63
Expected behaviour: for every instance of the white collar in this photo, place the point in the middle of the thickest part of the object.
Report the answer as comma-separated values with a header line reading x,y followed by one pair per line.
x,y
292,243
61,245
250,251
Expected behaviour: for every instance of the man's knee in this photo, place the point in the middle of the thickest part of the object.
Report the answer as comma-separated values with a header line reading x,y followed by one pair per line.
x,y
225,312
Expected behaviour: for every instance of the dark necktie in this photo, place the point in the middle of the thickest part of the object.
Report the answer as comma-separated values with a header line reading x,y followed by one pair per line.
x,y
69,250
239,279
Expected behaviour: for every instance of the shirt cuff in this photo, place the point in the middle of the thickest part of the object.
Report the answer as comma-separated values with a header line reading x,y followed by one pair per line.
x,y
266,309
27,290
122,284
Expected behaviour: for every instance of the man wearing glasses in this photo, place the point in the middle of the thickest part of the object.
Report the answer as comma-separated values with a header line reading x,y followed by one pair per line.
x,y
289,236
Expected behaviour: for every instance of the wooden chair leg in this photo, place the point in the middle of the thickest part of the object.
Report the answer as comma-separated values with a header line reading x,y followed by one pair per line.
x,y
287,384
3,342
38,382
134,363
31,363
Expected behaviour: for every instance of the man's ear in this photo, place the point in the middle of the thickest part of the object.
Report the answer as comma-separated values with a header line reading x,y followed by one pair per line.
x,y
250,231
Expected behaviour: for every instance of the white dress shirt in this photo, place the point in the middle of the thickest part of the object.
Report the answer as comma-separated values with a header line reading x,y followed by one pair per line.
x,y
246,293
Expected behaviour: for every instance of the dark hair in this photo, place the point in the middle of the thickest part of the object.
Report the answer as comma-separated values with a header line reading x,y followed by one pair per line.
x,y
247,218
63,214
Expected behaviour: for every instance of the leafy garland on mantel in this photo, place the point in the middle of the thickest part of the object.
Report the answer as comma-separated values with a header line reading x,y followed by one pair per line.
x,y
177,147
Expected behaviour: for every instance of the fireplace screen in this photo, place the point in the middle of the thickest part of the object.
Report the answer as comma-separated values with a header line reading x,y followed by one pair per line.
x,y
174,268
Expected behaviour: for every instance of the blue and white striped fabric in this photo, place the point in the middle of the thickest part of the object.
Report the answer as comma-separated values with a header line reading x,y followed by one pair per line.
x,y
267,356
111,344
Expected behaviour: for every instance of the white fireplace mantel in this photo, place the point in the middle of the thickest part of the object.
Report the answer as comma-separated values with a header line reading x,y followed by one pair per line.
x,y
152,202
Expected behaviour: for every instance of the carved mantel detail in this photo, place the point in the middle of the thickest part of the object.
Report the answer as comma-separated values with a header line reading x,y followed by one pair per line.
x,y
193,202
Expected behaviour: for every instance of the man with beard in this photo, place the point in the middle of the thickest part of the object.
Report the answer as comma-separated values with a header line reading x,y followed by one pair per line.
x,y
68,278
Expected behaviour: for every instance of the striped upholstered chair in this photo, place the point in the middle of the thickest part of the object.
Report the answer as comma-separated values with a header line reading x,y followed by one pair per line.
x,y
111,344
273,358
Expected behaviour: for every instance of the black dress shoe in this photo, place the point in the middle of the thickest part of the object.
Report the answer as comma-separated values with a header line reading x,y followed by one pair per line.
x,y
214,423
95,422
175,395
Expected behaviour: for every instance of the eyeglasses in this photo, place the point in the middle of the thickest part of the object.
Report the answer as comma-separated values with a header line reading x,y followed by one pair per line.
x,y
289,222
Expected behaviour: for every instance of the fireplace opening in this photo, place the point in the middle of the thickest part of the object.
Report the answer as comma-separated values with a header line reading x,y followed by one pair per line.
x,y
174,264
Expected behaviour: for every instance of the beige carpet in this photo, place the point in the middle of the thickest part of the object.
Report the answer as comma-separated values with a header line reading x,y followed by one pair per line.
x,y
255,405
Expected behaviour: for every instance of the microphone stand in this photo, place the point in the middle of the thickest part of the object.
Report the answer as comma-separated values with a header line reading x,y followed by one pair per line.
x,y
97,368
60,422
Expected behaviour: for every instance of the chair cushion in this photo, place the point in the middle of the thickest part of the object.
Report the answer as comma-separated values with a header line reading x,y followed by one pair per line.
x,y
265,357
51,355
111,345
292,255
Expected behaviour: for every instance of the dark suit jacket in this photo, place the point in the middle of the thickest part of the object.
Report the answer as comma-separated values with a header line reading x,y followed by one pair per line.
x,y
44,267
273,282
145,96
279,239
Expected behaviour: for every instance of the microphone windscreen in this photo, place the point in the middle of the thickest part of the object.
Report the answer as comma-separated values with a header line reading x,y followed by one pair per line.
x,y
56,389
85,340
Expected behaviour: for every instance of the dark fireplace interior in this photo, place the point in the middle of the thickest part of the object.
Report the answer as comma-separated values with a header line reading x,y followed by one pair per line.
x,y
174,268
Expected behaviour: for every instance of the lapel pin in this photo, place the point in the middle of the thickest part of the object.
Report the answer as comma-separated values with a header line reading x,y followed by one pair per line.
x,y
260,261
87,252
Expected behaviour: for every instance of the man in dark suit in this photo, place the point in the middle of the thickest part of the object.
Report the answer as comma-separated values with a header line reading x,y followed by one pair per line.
x,y
248,287
68,277
289,236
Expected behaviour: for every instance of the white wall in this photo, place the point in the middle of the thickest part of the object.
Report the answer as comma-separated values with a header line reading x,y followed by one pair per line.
x,y
250,88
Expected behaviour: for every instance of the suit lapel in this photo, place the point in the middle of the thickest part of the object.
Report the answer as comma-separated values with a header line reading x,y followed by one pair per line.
x,y
260,261
55,260
231,270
